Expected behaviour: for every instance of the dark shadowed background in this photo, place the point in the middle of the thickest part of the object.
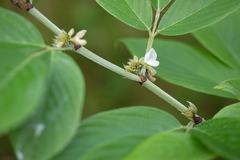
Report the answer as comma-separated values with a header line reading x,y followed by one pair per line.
x,y
106,90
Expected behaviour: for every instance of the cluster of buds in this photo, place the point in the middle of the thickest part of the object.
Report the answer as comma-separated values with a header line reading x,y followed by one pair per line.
x,y
63,39
143,65
135,65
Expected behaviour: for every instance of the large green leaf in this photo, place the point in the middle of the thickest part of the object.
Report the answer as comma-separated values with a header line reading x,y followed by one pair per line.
x,y
22,69
38,83
185,16
180,146
231,86
185,65
222,39
136,13
57,118
220,135
229,111
160,4
114,129
115,149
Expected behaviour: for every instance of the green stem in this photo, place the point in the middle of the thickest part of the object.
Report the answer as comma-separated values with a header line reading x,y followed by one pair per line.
x,y
150,42
44,20
90,55
152,33
168,98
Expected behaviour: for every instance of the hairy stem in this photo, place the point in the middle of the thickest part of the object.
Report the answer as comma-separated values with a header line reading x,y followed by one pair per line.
x,y
90,55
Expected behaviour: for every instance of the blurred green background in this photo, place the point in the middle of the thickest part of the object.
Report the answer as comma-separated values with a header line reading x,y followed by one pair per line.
x,y
106,90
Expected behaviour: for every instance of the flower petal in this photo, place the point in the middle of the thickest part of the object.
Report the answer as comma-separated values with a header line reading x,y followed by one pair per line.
x,y
81,42
81,33
153,63
59,44
71,32
150,55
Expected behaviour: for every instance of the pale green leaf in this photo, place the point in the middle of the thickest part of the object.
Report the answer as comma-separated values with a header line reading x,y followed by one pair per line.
x,y
220,135
231,86
160,4
186,16
229,111
136,13
180,146
110,128
185,65
22,69
222,39
57,117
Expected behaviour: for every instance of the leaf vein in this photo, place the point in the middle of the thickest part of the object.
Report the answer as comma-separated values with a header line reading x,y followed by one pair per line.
x,y
184,18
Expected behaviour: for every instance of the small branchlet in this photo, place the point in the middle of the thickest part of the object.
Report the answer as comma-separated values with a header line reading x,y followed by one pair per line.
x,y
23,4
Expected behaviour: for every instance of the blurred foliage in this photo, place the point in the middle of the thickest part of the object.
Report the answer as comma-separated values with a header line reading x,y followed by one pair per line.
x,y
106,90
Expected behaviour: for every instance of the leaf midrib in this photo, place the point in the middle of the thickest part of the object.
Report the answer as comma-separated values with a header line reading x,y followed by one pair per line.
x,y
185,17
136,15
23,44
20,66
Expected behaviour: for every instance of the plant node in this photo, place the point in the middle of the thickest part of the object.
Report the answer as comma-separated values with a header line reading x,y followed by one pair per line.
x,y
63,39
191,114
23,4
143,65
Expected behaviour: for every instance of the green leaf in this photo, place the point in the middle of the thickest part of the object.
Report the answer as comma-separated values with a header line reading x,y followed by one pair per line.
x,y
115,149
57,118
14,32
220,135
40,84
186,16
21,69
160,4
180,146
222,39
185,65
136,13
229,111
100,132
231,86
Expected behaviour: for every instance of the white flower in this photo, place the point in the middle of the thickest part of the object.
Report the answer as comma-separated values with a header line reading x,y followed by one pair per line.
x,y
150,58
77,39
